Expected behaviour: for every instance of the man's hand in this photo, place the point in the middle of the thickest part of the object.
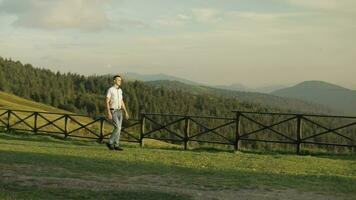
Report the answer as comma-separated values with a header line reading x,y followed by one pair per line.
x,y
127,116
109,115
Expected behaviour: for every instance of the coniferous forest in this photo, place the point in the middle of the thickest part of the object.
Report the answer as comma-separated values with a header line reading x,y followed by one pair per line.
x,y
86,94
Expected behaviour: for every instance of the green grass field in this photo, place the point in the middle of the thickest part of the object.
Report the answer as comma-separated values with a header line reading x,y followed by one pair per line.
x,y
10,101
41,167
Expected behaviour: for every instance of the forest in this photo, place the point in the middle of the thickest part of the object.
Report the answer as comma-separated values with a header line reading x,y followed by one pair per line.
x,y
85,95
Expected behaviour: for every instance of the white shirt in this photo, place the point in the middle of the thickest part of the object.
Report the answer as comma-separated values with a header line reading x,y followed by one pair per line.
x,y
115,96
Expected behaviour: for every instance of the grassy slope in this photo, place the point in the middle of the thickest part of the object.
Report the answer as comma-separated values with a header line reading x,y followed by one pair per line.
x,y
13,102
10,101
43,167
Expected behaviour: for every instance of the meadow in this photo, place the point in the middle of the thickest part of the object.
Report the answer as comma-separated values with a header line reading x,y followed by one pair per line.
x,y
44,167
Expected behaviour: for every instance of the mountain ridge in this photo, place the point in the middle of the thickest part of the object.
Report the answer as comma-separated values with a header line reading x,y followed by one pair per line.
x,y
328,94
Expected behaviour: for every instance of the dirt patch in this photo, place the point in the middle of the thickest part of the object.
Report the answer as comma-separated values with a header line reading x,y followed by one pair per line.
x,y
151,183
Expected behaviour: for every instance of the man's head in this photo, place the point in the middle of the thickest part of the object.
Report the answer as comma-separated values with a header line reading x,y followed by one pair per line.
x,y
117,80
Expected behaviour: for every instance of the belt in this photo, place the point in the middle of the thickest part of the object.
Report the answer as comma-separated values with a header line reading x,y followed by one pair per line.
x,y
114,109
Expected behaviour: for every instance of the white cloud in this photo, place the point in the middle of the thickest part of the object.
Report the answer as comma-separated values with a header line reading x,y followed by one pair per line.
x,y
200,15
327,5
321,4
257,16
223,41
178,20
206,15
64,14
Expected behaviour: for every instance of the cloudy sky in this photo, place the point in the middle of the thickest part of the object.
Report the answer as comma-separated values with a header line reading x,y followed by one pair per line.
x,y
252,42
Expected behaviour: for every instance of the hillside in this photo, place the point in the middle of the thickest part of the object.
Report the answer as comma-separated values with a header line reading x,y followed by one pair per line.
x,y
331,95
13,102
157,77
243,88
38,167
273,101
85,95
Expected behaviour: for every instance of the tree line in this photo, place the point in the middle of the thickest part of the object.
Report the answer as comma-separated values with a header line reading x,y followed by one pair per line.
x,y
86,94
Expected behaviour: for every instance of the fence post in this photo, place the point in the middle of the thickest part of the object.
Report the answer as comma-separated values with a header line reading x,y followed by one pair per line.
x,y
101,137
186,133
142,129
8,121
65,126
35,122
237,133
299,132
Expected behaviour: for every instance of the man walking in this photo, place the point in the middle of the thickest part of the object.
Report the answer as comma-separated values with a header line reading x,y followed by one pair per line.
x,y
115,107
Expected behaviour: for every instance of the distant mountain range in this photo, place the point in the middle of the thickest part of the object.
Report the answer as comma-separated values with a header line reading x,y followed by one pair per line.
x,y
308,96
81,94
156,77
331,95
243,88
267,100
233,87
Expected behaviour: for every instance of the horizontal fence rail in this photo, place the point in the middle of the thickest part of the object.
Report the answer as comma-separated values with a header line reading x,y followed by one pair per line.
x,y
305,129
244,129
65,124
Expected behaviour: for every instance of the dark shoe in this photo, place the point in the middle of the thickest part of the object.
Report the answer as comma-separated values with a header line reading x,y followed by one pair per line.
x,y
110,146
118,148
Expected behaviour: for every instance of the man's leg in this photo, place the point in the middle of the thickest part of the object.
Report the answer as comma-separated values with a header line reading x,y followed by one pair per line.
x,y
116,131
119,125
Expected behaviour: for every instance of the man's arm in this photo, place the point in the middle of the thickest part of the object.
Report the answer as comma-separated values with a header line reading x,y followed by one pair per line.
x,y
107,108
125,110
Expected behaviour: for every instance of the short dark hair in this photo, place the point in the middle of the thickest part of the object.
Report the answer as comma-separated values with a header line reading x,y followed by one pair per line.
x,y
116,77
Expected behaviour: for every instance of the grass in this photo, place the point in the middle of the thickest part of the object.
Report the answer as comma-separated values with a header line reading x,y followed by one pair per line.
x,y
12,191
13,102
40,167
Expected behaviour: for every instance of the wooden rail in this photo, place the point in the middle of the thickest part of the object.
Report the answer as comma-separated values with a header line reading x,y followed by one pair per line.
x,y
68,125
243,129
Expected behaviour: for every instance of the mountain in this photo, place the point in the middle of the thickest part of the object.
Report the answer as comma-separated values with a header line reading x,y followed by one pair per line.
x,y
85,94
234,87
156,77
243,88
265,100
324,93
270,88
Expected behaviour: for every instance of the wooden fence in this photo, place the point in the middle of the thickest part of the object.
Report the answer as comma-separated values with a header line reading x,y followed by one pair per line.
x,y
245,128
67,125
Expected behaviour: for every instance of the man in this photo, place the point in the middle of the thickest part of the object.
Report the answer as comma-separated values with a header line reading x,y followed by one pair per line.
x,y
115,107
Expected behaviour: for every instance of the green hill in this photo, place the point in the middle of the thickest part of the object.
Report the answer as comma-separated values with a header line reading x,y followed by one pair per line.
x,y
80,94
269,101
13,102
33,167
157,77
331,95
85,95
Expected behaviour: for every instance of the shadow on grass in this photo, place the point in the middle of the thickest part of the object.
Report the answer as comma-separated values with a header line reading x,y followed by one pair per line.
x,y
41,164
52,138
59,139
16,191
318,154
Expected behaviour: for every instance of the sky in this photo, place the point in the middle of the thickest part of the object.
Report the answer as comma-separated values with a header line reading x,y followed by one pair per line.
x,y
217,42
